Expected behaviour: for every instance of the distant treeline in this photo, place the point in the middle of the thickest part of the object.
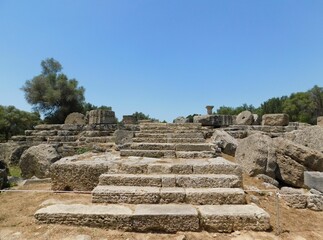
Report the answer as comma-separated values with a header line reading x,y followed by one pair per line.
x,y
301,106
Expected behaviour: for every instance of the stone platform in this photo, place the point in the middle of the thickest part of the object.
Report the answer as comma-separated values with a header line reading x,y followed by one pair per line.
x,y
149,194
158,218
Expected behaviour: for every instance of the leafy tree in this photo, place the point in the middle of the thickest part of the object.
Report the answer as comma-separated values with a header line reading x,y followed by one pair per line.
x,y
224,110
142,116
272,105
316,96
89,107
53,94
299,107
14,121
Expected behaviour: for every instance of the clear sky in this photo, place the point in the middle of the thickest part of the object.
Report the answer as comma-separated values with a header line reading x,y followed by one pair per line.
x,y
165,58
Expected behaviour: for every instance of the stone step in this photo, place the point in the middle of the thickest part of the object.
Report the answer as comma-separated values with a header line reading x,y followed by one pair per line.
x,y
167,218
170,125
173,146
169,140
170,135
172,180
104,139
148,153
167,131
135,165
196,154
154,195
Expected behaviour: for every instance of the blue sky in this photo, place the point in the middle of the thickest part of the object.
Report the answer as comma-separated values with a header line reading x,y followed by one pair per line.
x,y
165,58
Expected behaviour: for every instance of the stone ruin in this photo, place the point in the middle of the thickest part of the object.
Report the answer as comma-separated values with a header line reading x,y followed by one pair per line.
x,y
171,176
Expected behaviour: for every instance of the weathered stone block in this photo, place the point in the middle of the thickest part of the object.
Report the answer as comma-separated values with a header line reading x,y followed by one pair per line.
x,y
280,119
110,216
172,195
314,180
165,218
229,218
126,194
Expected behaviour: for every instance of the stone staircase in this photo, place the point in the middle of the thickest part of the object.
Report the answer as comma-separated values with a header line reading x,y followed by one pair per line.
x,y
166,140
165,195
70,137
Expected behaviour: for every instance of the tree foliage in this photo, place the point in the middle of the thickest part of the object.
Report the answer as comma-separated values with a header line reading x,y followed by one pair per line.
x,y
14,121
300,106
142,116
53,94
224,110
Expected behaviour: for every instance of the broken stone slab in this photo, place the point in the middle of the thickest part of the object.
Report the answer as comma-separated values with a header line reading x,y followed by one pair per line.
x,y
314,180
229,218
109,216
165,218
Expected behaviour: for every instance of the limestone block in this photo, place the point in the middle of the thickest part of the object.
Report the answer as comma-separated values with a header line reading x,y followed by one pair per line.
x,y
280,119
181,120
315,201
159,168
36,161
172,195
208,120
244,118
126,194
181,169
110,216
123,137
208,180
75,118
314,180
168,181
229,218
80,172
295,198
131,180
256,155
214,196
165,218
100,116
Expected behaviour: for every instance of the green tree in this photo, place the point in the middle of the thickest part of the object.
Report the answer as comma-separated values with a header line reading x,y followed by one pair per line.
x,y
89,107
299,107
224,110
14,121
142,116
316,95
272,105
53,94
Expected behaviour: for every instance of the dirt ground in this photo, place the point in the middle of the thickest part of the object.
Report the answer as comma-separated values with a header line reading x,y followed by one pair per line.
x,y
17,221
